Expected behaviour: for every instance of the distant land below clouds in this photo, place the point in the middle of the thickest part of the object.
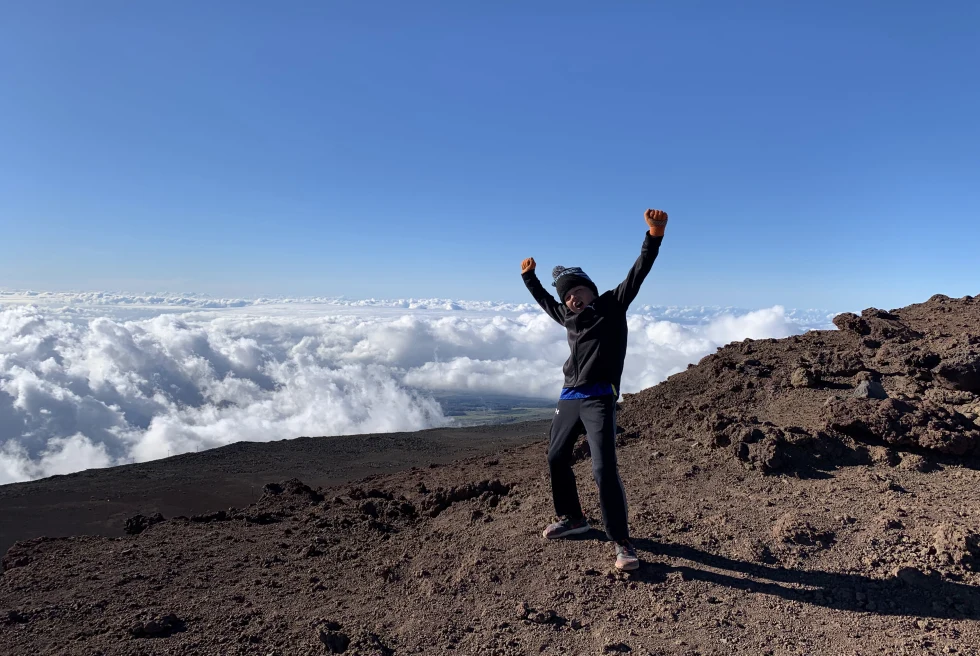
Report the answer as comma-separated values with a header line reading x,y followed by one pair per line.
x,y
95,379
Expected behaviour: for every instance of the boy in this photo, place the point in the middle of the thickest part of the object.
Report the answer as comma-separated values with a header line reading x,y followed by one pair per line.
x,y
597,333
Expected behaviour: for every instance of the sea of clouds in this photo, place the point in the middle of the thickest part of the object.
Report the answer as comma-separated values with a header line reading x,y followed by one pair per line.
x,y
98,379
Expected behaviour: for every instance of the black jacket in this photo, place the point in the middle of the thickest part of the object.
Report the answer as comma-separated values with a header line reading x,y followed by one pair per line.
x,y
597,335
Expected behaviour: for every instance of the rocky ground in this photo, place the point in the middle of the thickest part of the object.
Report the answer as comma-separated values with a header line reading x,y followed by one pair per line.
x,y
98,502
816,494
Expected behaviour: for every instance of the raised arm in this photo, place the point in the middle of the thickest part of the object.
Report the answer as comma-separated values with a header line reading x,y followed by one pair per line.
x,y
547,302
628,289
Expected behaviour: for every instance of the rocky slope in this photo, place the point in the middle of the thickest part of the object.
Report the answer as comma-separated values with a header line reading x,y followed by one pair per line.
x,y
816,494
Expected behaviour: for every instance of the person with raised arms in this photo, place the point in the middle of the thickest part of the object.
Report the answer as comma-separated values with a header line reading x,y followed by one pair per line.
x,y
597,332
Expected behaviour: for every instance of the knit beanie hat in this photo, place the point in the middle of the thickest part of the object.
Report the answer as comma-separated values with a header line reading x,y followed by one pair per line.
x,y
568,278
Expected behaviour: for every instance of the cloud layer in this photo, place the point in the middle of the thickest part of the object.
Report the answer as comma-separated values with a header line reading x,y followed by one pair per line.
x,y
85,384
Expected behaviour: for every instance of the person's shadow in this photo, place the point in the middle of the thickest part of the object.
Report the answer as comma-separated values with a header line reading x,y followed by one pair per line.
x,y
911,592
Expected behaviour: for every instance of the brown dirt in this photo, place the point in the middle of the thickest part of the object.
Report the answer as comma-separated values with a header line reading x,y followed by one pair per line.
x,y
780,506
98,502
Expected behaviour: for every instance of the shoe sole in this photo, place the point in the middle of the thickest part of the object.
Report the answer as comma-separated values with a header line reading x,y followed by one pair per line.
x,y
628,566
574,531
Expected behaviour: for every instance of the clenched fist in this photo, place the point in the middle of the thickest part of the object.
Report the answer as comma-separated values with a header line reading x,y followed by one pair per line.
x,y
527,265
657,220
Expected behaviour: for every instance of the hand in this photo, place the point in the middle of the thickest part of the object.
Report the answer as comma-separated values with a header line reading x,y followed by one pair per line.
x,y
657,220
527,265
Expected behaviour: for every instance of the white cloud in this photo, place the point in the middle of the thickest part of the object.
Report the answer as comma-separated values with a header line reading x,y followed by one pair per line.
x,y
185,302
61,455
658,348
91,384
531,378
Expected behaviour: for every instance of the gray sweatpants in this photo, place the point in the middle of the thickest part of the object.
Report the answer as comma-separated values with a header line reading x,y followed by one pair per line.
x,y
598,416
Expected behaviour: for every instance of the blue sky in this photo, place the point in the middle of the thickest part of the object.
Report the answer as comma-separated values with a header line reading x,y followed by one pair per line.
x,y
809,154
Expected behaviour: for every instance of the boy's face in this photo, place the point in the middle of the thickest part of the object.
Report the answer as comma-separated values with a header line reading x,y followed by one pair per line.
x,y
578,298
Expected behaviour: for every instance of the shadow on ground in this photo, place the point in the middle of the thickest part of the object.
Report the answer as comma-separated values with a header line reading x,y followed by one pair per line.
x,y
910,592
